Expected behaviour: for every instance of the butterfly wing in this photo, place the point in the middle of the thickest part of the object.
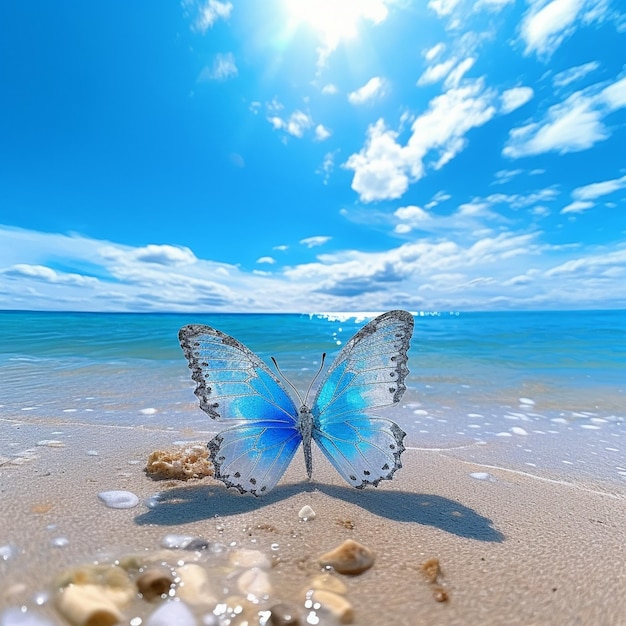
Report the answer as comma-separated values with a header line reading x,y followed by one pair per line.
x,y
232,383
252,457
368,374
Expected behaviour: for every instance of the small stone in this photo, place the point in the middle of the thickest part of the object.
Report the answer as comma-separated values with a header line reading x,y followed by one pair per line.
x,y
255,585
249,558
440,594
173,542
348,558
88,605
197,544
194,585
307,513
328,582
119,499
332,603
431,570
283,615
170,613
154,583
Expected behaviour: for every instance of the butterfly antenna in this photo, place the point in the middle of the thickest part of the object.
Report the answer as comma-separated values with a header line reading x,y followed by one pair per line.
x,y
286,380
315,377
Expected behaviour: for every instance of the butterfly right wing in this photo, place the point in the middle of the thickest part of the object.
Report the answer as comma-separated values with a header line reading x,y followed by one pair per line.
x,y
368,374
232,383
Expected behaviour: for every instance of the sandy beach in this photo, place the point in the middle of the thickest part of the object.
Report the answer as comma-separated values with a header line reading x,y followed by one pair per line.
x,y
513,547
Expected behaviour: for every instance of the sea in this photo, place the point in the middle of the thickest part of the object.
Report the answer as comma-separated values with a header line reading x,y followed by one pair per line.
x,y
542,393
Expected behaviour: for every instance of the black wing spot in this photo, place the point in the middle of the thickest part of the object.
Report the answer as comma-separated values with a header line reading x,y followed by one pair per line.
x,y
392,447
352,477
205,364
392,390
253,481
385,466
366,472
237,475
264,488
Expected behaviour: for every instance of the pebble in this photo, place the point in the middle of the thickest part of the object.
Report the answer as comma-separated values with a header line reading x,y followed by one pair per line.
x,y
328,582
119,499
255,585
283,615
170,613
349,558
249,558
173,542
154,583
329,602
307,513
482,476
89,605
194,585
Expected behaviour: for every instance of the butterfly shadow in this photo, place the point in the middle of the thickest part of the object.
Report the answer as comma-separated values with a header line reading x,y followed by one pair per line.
x,y
183,505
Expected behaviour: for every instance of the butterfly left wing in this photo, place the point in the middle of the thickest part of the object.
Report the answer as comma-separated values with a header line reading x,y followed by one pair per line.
x,y
252,457
368,374
233,383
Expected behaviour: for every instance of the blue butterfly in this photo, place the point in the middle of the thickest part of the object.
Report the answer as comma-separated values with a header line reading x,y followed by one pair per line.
x,y
235,385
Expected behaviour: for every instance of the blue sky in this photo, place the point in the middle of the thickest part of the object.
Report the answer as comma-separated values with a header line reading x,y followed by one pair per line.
x,y
296,155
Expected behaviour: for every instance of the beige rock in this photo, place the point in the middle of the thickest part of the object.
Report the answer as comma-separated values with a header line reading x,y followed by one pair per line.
x,y
181,464
89,605
328,582
194,585
349,558
249,558
307,513
333,603
255,584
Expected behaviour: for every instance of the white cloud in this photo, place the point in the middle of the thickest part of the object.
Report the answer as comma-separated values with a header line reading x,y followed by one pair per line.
x,y
322,133
47,274
311,242
583,196
546,26
443,7
210,12
577,206
504,176
266,259
573,74
158,254
454,77
460,271
596,190
410,217
435,51
383,168
327,166
374,88
515,98
296,125
281,248
571,126
223,67
435,73
329,89
492,5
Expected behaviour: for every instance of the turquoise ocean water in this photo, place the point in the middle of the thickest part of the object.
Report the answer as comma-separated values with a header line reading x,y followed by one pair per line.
x,y
542,391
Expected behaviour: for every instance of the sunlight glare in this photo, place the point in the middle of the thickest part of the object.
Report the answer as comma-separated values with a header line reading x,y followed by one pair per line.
x,y
335,20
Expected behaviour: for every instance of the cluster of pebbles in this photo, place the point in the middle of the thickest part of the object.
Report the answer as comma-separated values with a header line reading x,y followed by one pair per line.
x,y
193,582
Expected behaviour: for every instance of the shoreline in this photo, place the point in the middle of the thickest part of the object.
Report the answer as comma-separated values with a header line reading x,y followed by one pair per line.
x,y
514,547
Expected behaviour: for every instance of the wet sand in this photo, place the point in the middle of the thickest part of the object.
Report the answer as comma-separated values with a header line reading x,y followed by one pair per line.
x,y
514,548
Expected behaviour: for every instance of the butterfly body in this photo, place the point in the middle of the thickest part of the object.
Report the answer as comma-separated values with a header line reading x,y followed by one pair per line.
x,y
235,385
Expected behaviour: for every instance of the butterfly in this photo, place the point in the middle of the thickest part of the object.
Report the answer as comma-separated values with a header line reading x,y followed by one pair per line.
x,y
235,385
